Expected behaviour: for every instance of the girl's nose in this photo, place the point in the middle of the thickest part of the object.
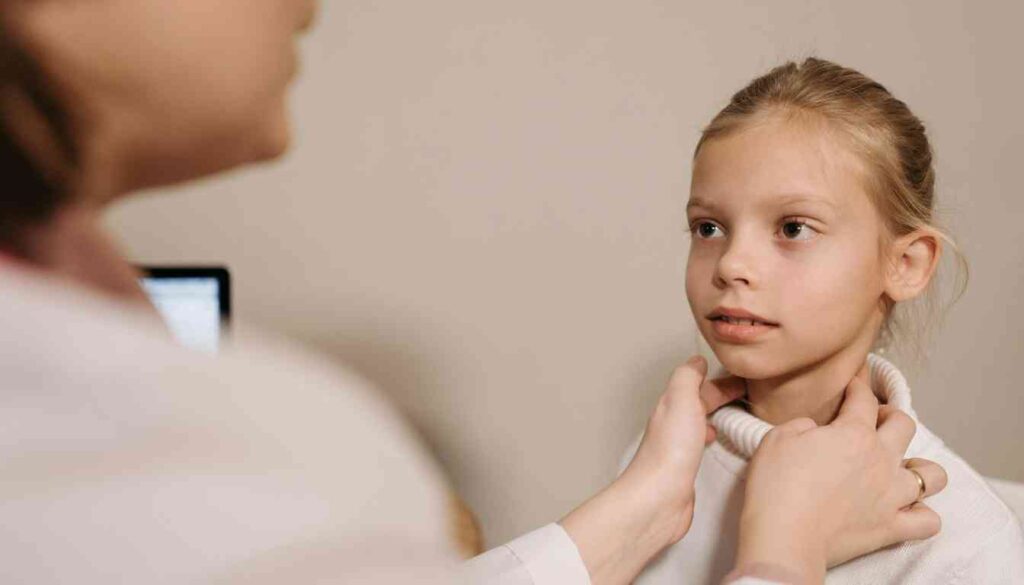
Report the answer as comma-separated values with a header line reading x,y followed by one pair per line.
x,y
735,267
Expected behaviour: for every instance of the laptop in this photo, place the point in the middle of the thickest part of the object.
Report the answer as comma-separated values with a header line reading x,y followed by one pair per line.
x,y
194,301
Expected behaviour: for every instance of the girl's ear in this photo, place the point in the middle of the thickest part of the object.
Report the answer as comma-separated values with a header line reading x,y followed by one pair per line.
x,y
913,261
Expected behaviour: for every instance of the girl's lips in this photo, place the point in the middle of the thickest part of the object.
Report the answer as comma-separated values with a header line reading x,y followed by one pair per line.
x,y
737,333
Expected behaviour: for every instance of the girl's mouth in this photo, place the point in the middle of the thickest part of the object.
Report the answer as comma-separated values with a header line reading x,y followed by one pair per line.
x,y
740,320
740,330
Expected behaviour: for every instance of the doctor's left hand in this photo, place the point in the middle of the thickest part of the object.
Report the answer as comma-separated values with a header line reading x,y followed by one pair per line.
x,y
650,506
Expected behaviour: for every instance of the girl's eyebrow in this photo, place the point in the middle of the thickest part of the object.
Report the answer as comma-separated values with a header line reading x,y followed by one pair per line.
x,y
796,198
698,202
778,201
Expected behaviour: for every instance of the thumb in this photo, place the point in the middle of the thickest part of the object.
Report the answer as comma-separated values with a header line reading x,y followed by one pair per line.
x,y
684,386
679,421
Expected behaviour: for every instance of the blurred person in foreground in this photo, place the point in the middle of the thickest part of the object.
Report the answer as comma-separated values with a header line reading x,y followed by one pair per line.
x,y
128,459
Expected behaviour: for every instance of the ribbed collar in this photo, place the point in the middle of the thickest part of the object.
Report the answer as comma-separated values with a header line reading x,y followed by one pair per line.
x,y
741,432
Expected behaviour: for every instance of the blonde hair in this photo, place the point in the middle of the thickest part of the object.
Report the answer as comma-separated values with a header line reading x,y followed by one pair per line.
x,y
889,140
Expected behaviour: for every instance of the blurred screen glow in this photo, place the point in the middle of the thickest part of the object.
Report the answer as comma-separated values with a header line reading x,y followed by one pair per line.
x,y
191,309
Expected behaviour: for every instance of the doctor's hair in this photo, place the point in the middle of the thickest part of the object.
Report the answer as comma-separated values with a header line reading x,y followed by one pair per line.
x,y
32,123
892,144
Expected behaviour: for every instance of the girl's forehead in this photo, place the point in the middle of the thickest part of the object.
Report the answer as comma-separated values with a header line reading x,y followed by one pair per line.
x,y
777,162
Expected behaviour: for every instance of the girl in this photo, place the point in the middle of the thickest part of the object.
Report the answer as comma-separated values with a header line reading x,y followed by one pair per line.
x,y
811,218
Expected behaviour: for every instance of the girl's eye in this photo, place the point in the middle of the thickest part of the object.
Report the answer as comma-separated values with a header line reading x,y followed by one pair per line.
x,y
706,230
797,230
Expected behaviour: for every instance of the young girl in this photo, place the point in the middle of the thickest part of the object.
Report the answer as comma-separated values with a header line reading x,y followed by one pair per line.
x,y
811,215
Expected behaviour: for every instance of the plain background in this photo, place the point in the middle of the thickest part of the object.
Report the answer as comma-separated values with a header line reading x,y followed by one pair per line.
x,y
484,214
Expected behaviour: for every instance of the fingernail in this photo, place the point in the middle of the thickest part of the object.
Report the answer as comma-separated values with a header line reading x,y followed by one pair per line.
x,y
698,361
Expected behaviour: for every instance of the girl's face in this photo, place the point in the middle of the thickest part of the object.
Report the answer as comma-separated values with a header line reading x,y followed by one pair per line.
x,y
785,268
194,86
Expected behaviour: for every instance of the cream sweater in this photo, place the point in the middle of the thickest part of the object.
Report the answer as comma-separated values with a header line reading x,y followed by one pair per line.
x,y
981,539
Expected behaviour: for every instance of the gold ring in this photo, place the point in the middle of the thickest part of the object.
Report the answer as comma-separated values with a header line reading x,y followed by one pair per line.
x,y
920,483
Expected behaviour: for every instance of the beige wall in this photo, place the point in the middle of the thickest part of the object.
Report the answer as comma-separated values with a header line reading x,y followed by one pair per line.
x,y
484,214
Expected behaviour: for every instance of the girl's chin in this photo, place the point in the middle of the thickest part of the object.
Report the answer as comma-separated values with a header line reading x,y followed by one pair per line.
x,y
750,363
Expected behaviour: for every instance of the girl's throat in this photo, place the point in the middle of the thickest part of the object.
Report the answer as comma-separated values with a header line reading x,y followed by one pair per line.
x,y
816,393
789,401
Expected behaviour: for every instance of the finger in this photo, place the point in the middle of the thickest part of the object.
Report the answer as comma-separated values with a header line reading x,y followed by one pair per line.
x,y
895,429
909,488
710,435
864,373
934,476
917,522
674,428
690,374
721,391
684,386
797,426
860,407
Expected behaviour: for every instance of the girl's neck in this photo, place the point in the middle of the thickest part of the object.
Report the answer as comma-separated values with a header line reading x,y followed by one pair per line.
x,y
815,391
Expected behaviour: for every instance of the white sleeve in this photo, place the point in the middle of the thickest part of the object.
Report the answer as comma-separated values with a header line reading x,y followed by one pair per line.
x,y
546,556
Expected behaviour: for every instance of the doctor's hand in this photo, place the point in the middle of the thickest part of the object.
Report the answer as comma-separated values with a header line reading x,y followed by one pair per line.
x,y
650,506
817,496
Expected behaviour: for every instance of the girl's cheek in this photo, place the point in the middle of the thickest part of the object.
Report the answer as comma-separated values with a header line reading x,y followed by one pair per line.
x,y
697,278
700,266
835,281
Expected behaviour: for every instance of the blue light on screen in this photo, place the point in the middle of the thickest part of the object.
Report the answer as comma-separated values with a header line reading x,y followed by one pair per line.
x,y
191,309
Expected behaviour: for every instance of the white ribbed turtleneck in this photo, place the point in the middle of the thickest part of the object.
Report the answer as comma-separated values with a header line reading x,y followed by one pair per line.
x,y
741,432
981,540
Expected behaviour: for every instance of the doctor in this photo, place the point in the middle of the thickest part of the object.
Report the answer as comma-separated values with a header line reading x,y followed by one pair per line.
x,y
128,459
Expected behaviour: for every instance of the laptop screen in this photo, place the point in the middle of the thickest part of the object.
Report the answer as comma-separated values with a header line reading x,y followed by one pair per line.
x,y
194,302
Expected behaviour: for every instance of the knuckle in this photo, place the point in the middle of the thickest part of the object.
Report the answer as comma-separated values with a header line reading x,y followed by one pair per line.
x,y
937,475
774,435
858,439
920,523
931,523
942,476
802,422
905,419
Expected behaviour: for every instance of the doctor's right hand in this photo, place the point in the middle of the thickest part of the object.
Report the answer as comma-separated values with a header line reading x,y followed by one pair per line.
x,y
817,497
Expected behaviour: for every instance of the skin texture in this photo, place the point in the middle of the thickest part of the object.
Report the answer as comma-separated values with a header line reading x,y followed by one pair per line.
x,y
803,532
650,506
161,92
783,227
788,532
170,91
156,93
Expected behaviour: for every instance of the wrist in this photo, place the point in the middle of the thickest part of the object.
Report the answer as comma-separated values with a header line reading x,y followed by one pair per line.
x,y
621,529
769,572
786,544
661,506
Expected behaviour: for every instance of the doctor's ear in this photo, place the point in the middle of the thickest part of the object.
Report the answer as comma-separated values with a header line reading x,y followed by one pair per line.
x,y
912,262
